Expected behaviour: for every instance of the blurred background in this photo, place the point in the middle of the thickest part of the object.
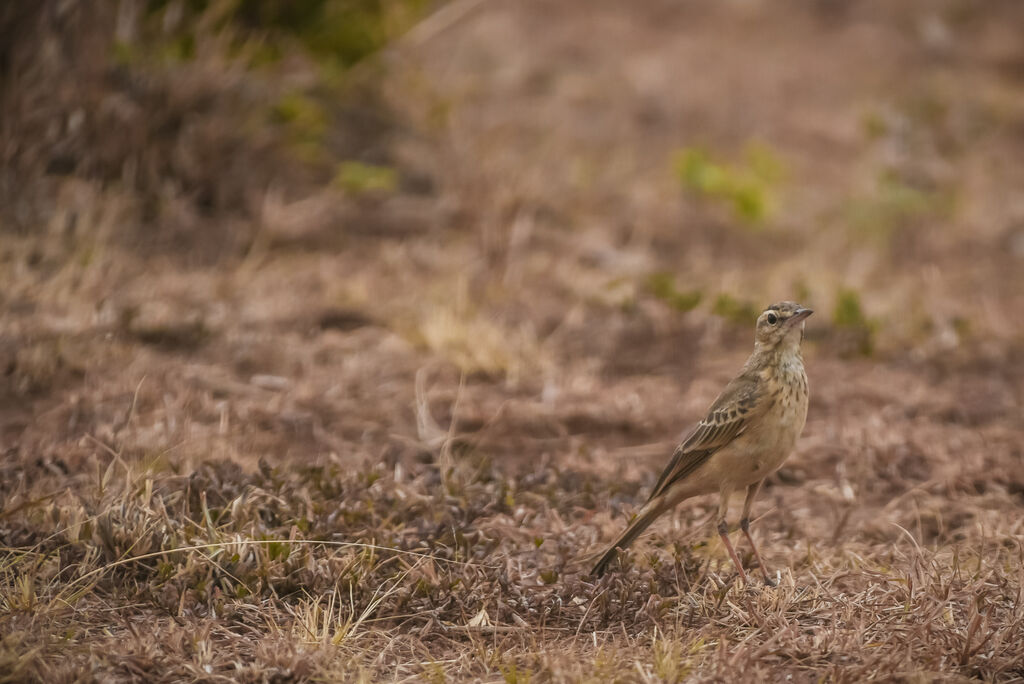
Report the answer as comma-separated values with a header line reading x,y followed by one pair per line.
x,y
488,240
558,200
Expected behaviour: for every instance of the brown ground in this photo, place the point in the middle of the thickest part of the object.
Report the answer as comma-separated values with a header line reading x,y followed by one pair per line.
x,y
371,438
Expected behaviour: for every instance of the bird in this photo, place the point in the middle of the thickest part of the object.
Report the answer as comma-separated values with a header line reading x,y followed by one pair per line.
x,y
747,434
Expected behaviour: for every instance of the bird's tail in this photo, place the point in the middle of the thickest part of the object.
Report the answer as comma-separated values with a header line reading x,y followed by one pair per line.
x,y
641,522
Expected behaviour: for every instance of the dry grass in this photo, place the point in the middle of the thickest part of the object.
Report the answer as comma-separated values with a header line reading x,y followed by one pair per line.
x,y
370,434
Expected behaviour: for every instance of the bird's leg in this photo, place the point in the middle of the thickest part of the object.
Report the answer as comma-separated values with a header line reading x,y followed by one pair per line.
x,y
723,531
752,491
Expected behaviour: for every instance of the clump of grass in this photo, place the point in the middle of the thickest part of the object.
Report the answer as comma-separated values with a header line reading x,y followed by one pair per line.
x,y
305,121
512,673
358,178
262,124
853,325
671,658
874,124
747,188
738,311
662,285
340,33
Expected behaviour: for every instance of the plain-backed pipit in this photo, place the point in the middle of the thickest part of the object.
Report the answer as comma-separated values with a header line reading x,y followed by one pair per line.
x,y
747,434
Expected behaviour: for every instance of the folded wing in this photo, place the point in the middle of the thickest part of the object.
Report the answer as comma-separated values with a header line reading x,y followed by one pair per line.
x,y
727,419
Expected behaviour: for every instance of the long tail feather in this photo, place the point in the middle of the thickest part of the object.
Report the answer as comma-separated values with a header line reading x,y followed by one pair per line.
x,y
640,523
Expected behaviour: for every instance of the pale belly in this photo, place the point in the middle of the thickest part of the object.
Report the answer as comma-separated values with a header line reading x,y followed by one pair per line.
x,y
760,453
762,450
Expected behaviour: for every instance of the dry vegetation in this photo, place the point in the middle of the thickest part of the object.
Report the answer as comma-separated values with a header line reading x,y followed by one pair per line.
x,y
322,366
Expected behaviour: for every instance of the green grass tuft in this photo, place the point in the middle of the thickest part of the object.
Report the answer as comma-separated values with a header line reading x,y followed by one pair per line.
x,y
357,178
662,285
849,318
747,188
740,312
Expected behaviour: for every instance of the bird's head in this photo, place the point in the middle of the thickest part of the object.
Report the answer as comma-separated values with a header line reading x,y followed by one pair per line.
x,y
781,323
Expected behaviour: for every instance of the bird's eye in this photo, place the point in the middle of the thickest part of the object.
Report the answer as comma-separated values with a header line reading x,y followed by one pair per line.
x,y
772,319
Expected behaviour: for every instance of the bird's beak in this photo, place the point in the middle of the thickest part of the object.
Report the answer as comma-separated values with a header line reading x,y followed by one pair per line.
x,y
799,315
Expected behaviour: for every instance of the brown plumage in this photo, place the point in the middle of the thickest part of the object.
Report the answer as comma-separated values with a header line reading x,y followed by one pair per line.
x,y
747,434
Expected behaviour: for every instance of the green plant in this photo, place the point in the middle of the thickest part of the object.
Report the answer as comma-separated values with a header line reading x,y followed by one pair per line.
x,y
748,188
343,31
849,318
734,310
339,32
358,178
513,675
670,659
663,286
305,121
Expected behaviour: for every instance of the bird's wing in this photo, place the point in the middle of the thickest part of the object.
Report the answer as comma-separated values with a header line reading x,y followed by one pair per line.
x,y
728,417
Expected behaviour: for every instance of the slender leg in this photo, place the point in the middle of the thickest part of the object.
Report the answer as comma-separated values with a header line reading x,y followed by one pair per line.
x,y
752,491
723,531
